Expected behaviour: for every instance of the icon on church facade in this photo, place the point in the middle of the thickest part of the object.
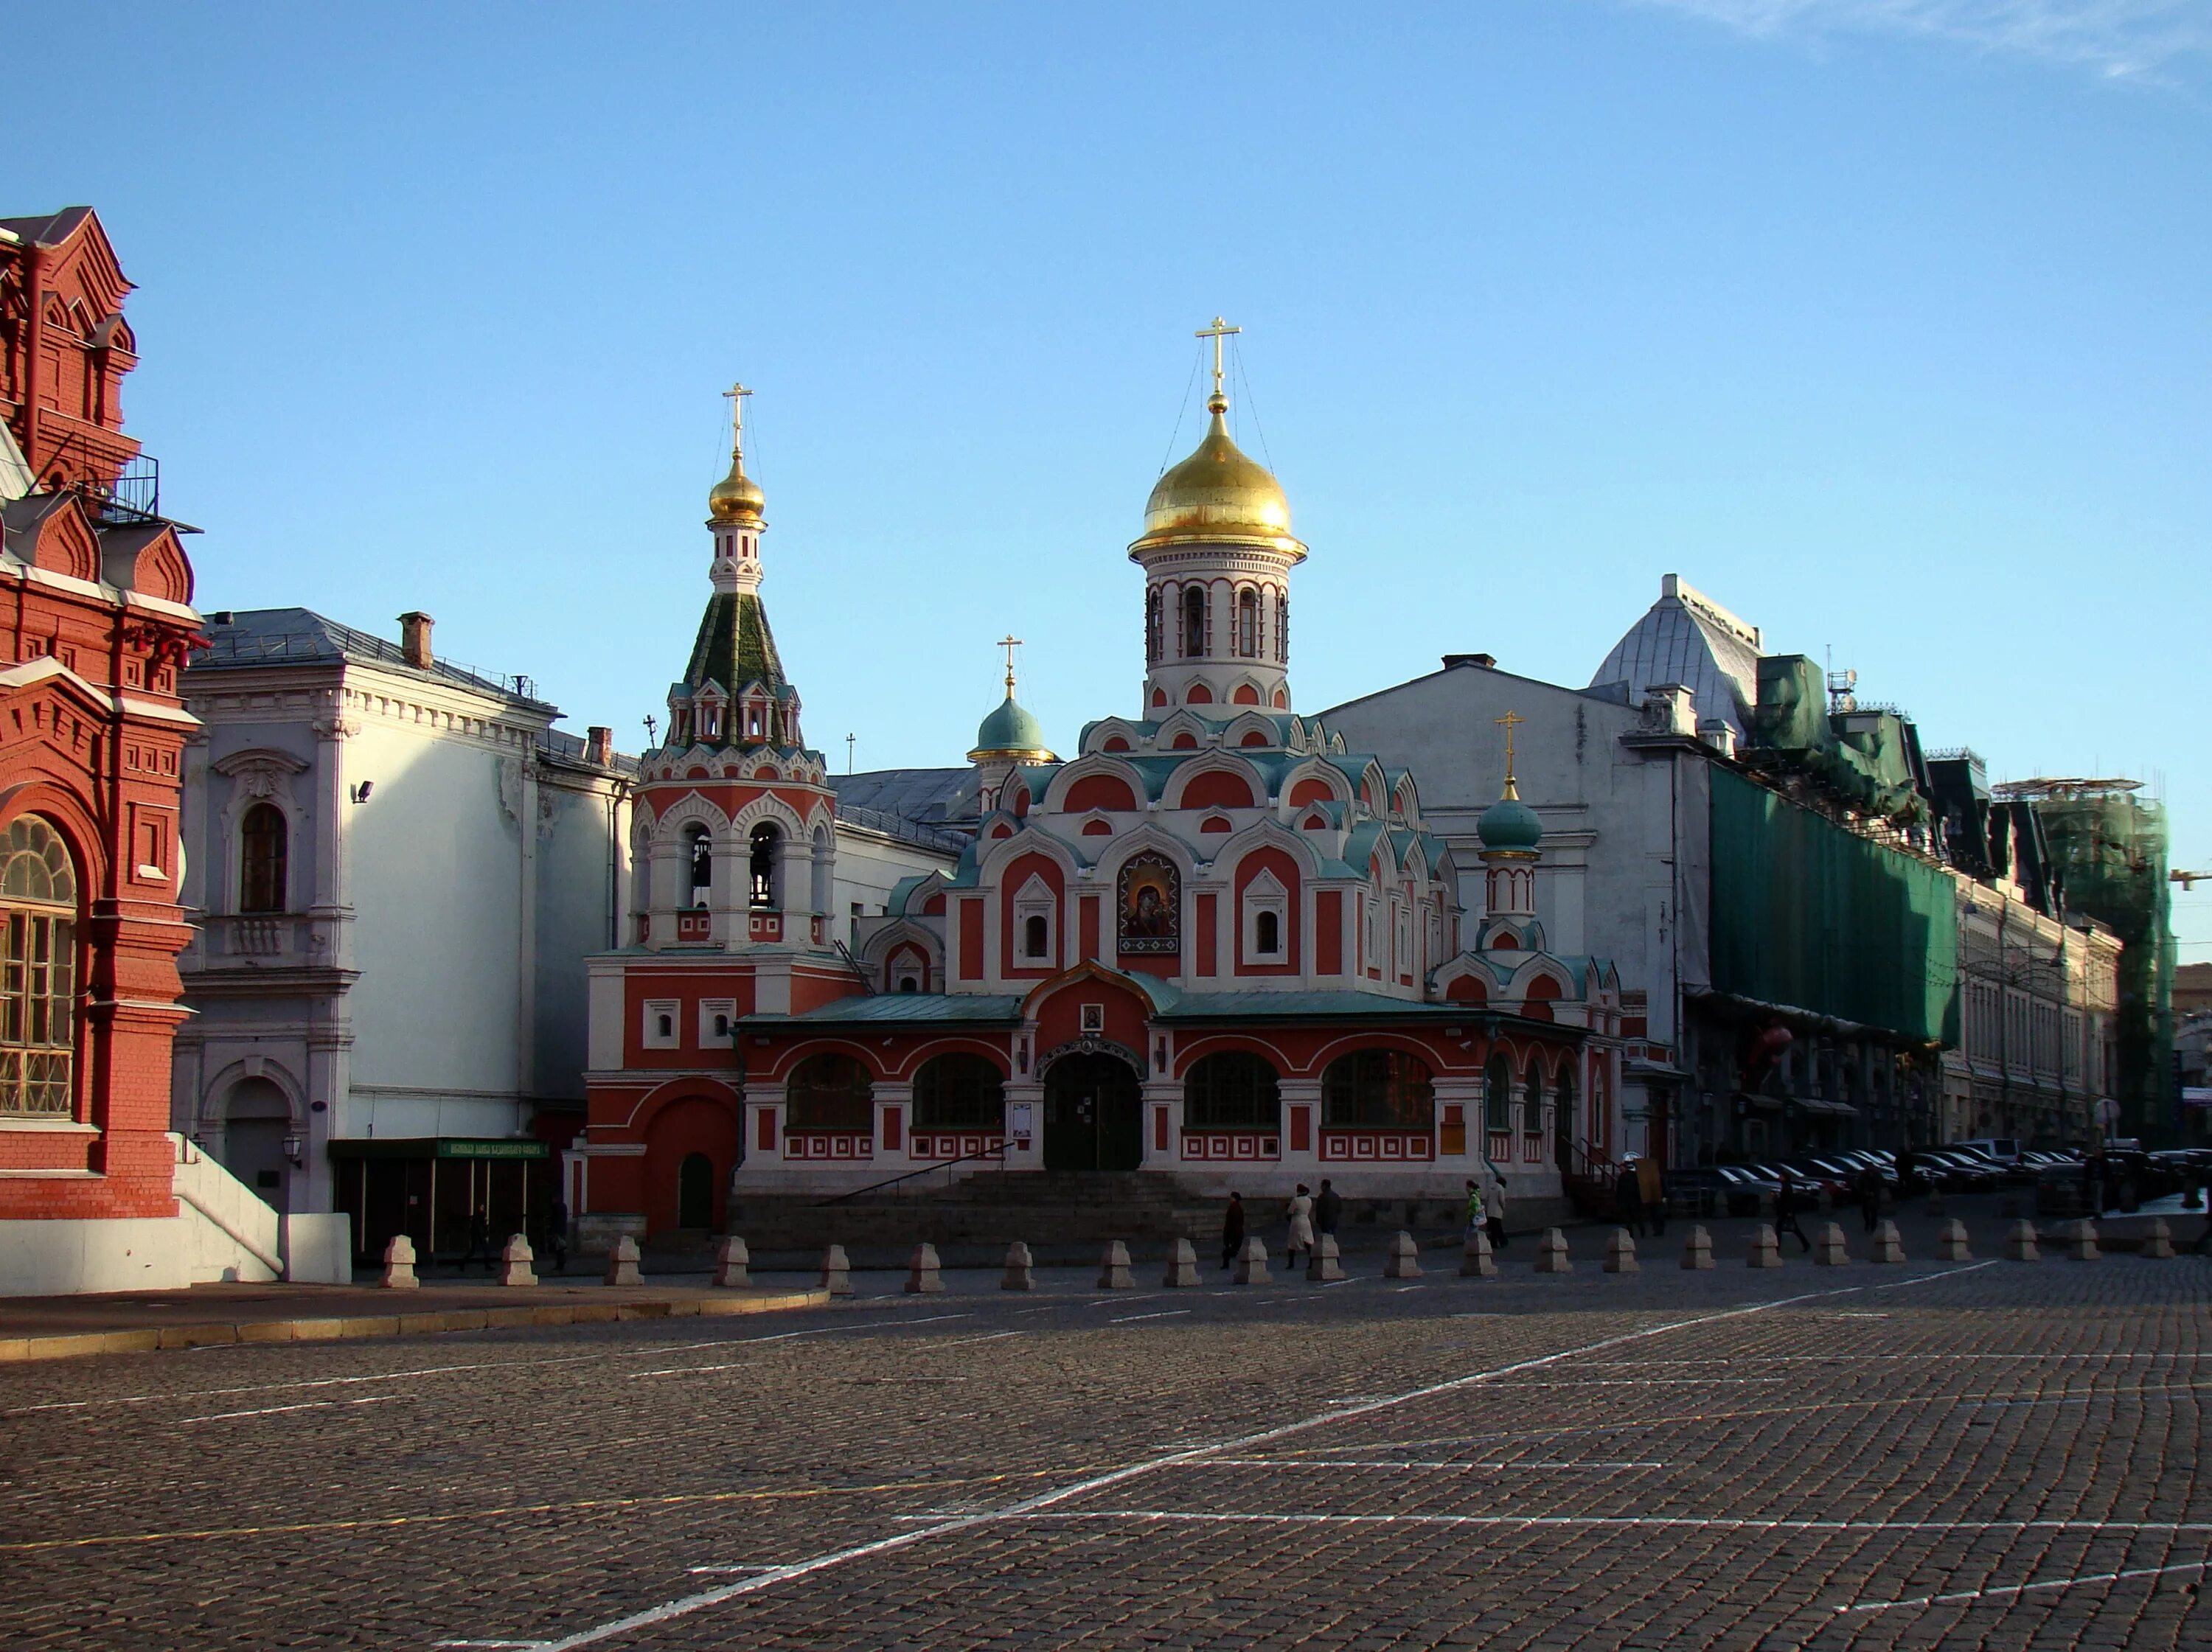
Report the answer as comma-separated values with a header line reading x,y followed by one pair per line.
x,y
1149,898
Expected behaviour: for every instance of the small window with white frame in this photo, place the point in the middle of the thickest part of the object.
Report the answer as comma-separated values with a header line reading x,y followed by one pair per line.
x,y
718,1019
661,1030
1034,911
1266,919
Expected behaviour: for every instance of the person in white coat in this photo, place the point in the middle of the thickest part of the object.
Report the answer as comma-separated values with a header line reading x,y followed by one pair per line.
x,y
1300,1242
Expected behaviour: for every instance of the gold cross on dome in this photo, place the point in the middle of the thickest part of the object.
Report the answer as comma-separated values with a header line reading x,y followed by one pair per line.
x,y
735,395
1509,722
1010,642
1219,331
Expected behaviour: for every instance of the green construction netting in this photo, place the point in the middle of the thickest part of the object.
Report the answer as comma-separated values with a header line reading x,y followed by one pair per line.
x,y
1808,914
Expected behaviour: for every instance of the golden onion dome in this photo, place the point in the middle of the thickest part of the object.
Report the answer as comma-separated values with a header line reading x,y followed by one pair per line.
x,y
736,500
1219,495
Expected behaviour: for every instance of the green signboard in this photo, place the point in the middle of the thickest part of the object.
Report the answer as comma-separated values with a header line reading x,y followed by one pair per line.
x,y
450,1147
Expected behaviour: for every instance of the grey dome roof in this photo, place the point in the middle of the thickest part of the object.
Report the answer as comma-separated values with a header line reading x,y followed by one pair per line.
x,y
1687,637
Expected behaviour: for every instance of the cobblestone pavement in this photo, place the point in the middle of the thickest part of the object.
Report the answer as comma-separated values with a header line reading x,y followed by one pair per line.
x,y
1990,1455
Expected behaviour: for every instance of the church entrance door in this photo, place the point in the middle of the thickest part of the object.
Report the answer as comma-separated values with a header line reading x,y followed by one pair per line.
x,y
1094,1114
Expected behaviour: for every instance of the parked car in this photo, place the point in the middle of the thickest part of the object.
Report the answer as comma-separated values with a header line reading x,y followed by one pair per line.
x,y
1747,1187
1958,1173
1999,1149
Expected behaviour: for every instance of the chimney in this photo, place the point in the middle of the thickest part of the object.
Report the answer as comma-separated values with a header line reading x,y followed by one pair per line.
x,y
414,639
600,746
1453,662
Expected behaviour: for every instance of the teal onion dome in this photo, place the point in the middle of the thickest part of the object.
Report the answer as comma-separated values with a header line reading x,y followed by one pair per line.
x,y
1011,731
1510,824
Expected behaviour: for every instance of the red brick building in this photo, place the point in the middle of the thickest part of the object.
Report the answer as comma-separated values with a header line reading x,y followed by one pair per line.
x,y
97,622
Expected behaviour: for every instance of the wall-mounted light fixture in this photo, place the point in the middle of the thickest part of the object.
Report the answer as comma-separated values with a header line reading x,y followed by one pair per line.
x,y
295,1148
359,794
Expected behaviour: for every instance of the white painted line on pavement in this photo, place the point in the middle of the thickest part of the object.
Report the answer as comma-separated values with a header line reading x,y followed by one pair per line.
x,y
1347,1462
1717,1523
274,1411
685,1605
988,1336
2022,1589
1158,1313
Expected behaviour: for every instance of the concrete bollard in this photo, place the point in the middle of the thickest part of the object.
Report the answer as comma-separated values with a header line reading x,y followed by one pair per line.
x,y
514,1262
1404,1258
836,1272
622,1263
2081,1241
923,1277
1888,1244
733,1265
1113,1267
1620,1253
1251,1264
1829,1250
1182,1266
2020,1242
2158,1243
1951,1243
1552,1253
1766,1246
399,1264
1322,1266
1475,1260
1021,1271
1697,1249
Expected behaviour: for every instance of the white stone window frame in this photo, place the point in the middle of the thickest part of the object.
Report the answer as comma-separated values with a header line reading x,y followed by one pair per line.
x,y
1265,894
727,1008
662,1025
1035,899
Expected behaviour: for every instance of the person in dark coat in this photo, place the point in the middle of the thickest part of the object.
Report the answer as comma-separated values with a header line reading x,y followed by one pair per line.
x,y
556,1235
1328,1209
1233,1229
1867,1186
479,1240
1785,1210
1493,1214
1628,1198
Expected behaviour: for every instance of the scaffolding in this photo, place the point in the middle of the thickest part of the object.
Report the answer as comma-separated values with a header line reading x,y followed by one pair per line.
x,y
2108,845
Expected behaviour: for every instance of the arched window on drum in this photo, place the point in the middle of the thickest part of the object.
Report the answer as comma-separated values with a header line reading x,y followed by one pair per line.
x,y
38,972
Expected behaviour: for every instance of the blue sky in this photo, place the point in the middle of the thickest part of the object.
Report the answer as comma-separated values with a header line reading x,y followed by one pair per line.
x,y
1883,321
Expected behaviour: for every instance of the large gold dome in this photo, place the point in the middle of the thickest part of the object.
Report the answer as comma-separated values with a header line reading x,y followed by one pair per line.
x,y
1219,495
736,500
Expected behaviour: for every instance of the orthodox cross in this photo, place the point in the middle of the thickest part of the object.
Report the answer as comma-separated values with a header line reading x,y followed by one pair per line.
x,y
849,738
1219,331
1509,722
651,727
735,395
1010,642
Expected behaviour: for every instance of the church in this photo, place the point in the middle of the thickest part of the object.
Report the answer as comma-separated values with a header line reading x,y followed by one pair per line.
x,y
1214,944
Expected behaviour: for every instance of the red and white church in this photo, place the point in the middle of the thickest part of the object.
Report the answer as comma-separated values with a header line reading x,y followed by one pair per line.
x,y
1213,945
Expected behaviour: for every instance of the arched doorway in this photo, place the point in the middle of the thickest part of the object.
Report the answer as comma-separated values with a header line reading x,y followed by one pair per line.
x,y
256,1119
1094,1114
695,1192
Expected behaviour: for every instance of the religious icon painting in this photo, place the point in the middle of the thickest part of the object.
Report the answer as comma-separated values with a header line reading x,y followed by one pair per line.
x,y
1149,894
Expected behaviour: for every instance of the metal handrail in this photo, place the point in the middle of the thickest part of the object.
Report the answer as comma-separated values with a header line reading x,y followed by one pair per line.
x,y
997,1152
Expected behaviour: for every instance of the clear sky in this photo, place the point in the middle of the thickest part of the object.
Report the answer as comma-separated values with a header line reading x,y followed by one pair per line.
x,y
1885,322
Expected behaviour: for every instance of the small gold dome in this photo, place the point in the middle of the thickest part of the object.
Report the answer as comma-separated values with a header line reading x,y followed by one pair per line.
x,y
1219,495
737,499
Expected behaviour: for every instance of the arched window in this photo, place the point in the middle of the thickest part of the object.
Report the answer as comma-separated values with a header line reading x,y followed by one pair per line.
x,y
829,1092
1231,1091
1037,936
37,971
1532,1103
1498,1095
1378,1090
1282,629
1267,933
264,845
1153,626
1563,1102
699,864
1247,623
766,847
959,1092
1194,621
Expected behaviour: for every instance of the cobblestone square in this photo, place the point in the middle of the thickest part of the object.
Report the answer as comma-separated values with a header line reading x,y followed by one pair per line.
x,y
1988,1454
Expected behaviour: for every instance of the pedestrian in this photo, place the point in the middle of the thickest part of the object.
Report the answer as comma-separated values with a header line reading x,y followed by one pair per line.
x,y
1786,1209
2092,1185
1328,1209
1628,1198
556,1235
1301,1238
1233,1229
479,1240
1907,1168
1653,1186
1475,1222
1494,1212
1867,1186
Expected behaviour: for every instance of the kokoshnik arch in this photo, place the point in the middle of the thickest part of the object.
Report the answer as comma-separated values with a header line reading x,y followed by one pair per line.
x,y
1213,943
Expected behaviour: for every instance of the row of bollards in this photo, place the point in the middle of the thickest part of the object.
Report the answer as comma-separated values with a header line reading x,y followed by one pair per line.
x,y
732,1264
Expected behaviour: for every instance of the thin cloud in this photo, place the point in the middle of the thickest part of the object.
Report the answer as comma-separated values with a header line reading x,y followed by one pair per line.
x,y
2121,40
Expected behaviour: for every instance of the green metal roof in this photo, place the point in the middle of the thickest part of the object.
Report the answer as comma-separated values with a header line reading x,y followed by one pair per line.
x,y
892,1009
